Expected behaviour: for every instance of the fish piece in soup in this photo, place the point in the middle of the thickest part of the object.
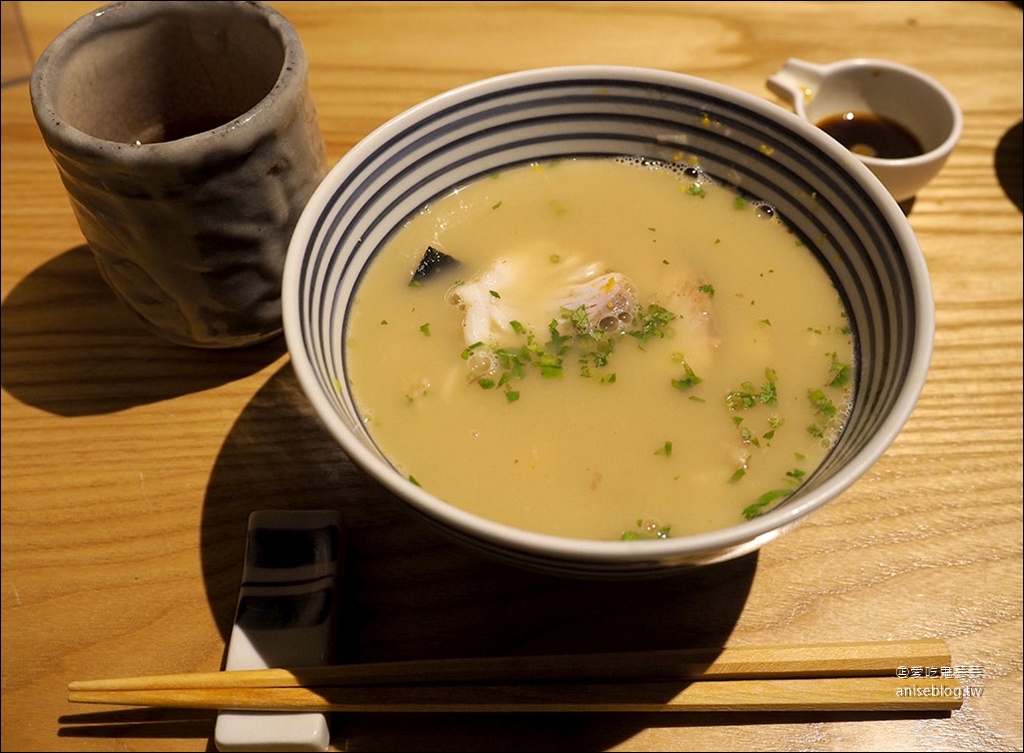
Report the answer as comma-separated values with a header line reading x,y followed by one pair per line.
x,y
529,293
690,296
599,302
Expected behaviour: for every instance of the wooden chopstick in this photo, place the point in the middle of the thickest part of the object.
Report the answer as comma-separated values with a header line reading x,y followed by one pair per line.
x,y
816,677
731,663
816,694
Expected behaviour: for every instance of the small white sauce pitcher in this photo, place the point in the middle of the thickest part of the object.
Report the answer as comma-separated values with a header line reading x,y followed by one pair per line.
x,y
885,89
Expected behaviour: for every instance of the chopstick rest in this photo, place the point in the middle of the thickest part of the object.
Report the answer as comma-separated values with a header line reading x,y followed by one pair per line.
x,y
286,615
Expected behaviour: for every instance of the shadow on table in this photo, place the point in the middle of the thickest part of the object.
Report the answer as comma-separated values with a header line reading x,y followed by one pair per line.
x,y
1009,164
69,347
409,592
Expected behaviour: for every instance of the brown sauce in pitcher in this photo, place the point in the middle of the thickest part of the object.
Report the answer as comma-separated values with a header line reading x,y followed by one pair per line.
x,y
871,135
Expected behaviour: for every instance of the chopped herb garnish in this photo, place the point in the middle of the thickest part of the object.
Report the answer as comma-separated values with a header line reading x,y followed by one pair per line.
x,y
652,323
821,402
469,350
665,450
759,507
647,532
425,329
689,380
707,288
768,395
749,396
550,367
578,320
840,372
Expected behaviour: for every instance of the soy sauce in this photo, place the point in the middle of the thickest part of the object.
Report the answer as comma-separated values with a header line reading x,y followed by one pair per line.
x,y
871,135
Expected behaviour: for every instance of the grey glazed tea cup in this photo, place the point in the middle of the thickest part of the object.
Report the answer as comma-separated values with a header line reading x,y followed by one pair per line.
x,y
187,140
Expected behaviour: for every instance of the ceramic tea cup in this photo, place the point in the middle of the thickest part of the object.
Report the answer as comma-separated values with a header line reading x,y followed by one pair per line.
x,y
900,123
187,140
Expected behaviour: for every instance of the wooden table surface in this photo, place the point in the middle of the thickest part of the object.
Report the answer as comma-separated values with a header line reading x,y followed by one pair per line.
x,y
130,466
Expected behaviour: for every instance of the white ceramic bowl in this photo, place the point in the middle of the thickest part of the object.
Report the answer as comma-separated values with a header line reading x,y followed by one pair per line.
x,y
829,198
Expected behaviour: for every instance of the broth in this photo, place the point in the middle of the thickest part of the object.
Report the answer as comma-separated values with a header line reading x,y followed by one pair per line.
x,y
611,348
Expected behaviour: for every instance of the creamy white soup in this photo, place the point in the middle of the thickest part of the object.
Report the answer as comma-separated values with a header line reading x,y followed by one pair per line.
x,y
601,349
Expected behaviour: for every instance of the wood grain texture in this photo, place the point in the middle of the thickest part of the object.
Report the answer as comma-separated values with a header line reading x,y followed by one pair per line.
x,y
16,59
129,467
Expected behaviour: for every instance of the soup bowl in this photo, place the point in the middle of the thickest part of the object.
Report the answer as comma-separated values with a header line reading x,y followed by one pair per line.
x,y
838,210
